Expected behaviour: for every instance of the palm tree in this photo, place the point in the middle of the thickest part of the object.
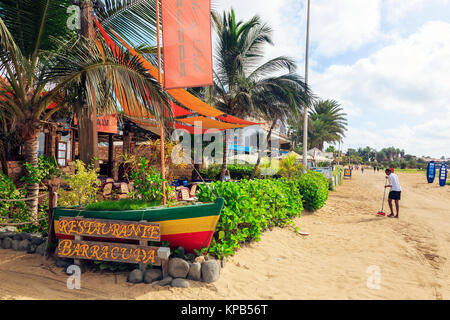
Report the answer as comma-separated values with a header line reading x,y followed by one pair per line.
x,y
328,123
241,81
43,63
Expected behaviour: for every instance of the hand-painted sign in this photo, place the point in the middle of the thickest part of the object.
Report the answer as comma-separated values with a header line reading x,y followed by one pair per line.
x,y
109,229
107,124
443,175
105,251
187,43
431,171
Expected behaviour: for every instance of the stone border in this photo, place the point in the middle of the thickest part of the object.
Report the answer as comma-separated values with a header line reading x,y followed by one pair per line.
x,y
27,242
180,269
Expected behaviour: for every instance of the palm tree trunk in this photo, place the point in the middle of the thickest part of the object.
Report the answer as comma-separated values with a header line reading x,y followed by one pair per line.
x,y
260,152
225,154
30,155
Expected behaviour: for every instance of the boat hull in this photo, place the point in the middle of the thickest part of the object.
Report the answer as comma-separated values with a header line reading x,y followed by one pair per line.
x,y
191,227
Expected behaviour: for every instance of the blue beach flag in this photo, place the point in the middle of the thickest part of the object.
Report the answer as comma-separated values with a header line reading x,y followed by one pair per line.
x,y
443,175
431,171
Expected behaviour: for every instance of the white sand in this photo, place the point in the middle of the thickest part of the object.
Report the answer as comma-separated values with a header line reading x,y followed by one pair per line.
x,y
346,238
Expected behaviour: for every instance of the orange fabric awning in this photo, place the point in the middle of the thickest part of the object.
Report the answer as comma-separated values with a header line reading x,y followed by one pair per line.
x,y
191,105
211,123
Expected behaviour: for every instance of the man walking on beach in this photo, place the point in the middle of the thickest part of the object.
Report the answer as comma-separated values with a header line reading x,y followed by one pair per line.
x,y
395,193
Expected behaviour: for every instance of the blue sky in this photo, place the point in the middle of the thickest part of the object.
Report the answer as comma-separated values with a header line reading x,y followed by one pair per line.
x,y
386,61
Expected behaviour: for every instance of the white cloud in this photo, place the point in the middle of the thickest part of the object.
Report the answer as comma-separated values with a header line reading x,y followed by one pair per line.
x,y
405,76
341,25
408,81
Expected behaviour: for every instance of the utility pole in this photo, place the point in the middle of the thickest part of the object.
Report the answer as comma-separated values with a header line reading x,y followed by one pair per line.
x,y
305,115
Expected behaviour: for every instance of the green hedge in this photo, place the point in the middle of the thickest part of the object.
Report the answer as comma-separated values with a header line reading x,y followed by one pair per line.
x,y
251,206
237,171
314,189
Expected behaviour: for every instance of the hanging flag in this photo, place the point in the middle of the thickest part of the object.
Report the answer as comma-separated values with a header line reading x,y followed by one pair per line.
x,y
187,45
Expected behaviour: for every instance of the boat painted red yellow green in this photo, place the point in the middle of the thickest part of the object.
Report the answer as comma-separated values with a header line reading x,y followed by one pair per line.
x,y
191,226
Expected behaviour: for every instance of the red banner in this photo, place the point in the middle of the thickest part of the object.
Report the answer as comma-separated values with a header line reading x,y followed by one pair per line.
x,y
105,124
187,45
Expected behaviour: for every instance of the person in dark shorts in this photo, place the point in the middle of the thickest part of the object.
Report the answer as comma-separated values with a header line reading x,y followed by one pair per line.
x,y
395,193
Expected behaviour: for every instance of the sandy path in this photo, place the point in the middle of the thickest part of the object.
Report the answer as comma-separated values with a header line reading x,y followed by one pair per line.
x,y
346,238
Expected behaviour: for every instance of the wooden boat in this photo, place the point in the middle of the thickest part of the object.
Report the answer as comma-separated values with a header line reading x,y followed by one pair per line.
x,y
191,226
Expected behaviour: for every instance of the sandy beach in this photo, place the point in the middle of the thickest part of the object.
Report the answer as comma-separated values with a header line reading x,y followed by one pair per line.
x,y
347,242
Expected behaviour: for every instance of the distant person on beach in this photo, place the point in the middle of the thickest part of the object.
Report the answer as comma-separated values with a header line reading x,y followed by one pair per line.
x,y
374,169
227,176
378,169
395,193
362,169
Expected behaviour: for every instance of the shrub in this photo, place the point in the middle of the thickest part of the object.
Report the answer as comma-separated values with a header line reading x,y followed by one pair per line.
x,y
17,211
241,171
251,206
148,182
121,205
237,171
314,190
290,168
46,169
212,172
83,186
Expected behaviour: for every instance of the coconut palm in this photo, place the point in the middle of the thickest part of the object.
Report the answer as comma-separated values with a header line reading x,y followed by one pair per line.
x,y
45,63
241,81
329,123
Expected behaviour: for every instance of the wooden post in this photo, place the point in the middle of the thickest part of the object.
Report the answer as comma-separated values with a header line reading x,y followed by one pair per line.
x,y
52,203
163,165
110,155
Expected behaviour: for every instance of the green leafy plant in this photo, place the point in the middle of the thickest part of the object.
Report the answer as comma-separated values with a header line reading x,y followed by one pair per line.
x,y
9,191
251,206
314,189
148,182
83,186
46,169
122,205
290,168
17,211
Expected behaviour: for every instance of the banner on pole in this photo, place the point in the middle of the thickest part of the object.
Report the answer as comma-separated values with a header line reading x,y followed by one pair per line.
x,y
187,44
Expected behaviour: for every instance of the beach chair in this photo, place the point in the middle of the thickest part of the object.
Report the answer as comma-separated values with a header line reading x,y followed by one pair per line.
x,y
185,196
193,190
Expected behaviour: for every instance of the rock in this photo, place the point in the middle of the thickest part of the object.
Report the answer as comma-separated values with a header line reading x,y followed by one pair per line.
x,y
41,249
8,229
31,248
63,263
178,268
166,281
37,240
180,283
179,252
25,236
7,243
15,245
195,272
152,275
6,234
200,259
135,276
18,236
23,245
210,271
107,189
